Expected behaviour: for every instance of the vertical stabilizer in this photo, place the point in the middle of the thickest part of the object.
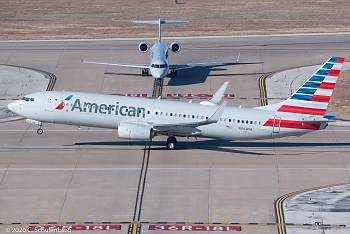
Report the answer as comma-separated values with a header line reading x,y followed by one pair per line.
x,y
313,96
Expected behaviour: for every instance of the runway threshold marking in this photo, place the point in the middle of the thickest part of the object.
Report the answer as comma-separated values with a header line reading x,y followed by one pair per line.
x,y
52,81
262,83
161,225
135,227
279,208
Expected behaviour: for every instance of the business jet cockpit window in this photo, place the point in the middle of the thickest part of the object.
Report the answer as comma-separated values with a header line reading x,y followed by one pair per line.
x,y
158,65
28,99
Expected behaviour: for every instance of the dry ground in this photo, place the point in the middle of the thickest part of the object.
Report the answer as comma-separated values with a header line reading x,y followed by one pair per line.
x,y
49,19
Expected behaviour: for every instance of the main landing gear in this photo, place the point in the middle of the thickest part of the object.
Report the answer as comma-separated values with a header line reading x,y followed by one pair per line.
x,y
145,72
171,143
173,72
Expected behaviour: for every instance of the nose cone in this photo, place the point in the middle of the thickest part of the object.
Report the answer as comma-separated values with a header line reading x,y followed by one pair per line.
x,y
15,106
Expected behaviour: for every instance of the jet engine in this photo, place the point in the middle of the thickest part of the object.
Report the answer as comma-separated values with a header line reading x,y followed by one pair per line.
x,y
134,131
143,46
175,47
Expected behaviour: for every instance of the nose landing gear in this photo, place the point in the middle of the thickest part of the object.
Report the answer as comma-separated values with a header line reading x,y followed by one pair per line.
x,y
171,143
40,130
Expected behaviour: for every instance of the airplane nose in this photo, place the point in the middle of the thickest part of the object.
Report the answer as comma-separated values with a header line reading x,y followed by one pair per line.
x,y
14,106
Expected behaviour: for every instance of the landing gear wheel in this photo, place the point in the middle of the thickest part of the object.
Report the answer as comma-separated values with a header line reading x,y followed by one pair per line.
x,y
175,73
40,131
171,143
143,73
146,72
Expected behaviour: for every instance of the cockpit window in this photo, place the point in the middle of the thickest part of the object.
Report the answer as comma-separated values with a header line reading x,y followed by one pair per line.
x,y
158,65
28,99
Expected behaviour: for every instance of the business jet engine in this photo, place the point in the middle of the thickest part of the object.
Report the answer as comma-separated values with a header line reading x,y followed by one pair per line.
x,y
175,47
134,131
143,46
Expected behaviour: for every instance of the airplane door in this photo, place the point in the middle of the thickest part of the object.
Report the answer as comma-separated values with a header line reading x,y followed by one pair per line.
x,y
276,124
50,102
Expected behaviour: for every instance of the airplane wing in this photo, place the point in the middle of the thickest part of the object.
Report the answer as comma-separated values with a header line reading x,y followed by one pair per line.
x,y
189,127
208,64
117,64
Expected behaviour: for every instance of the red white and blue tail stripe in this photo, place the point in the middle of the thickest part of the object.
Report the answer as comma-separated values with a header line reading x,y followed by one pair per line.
x,y
313,97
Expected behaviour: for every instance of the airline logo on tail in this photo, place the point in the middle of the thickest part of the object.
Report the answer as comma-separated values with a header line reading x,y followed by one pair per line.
x,y
61,105
313,97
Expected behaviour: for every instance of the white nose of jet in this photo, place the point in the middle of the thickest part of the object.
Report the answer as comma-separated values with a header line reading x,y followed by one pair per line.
x,y
15,106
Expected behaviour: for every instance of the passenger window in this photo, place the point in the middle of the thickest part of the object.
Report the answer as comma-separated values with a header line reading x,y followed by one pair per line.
x,y
193,116
161,113
255,122
148,112
246,121
251,122
179,115
166,113
259,123
32,99
238,121
233,120
226,120
220,119
175,115
207,117
171,114
197,117
202,117
229,120
156,112
184,116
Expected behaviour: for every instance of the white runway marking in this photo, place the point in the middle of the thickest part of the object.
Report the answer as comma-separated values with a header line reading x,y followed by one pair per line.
x,y
172,169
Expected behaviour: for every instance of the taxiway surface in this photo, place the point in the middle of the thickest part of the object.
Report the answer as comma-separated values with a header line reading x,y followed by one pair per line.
x,y
68,174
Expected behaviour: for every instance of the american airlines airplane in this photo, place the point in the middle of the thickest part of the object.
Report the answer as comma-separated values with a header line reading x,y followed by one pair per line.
x,y
159,66
142,119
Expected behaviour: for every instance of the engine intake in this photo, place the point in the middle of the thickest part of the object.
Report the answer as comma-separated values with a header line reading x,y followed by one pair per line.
x,y
133,131
175,47
143,46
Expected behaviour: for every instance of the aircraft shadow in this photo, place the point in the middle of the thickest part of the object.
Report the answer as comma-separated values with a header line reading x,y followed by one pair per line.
x,y
196,75
220,145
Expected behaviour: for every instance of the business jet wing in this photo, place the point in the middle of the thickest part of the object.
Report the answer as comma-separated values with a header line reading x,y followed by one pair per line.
x,y
208,64
117,64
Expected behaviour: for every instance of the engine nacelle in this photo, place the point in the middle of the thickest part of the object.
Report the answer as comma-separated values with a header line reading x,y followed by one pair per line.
x,y
175,47
143,46
133,131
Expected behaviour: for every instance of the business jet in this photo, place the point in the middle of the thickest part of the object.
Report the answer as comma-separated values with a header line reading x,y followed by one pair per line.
x,y
142,118
159,66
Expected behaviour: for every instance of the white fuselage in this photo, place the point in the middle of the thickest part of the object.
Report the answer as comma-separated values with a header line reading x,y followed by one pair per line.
x,y
159,60
107,111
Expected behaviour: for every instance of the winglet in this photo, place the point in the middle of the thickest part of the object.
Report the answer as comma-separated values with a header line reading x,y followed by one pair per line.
x,y
217,96
216,116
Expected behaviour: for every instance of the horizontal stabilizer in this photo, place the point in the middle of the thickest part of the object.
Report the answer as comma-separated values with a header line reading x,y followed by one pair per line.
x,y
159,21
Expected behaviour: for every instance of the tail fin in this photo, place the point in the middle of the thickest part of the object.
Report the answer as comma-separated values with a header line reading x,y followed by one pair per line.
x,y
160,22
313,96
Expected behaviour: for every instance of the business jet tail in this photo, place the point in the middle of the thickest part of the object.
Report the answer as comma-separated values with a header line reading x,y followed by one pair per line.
x,y
159,22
